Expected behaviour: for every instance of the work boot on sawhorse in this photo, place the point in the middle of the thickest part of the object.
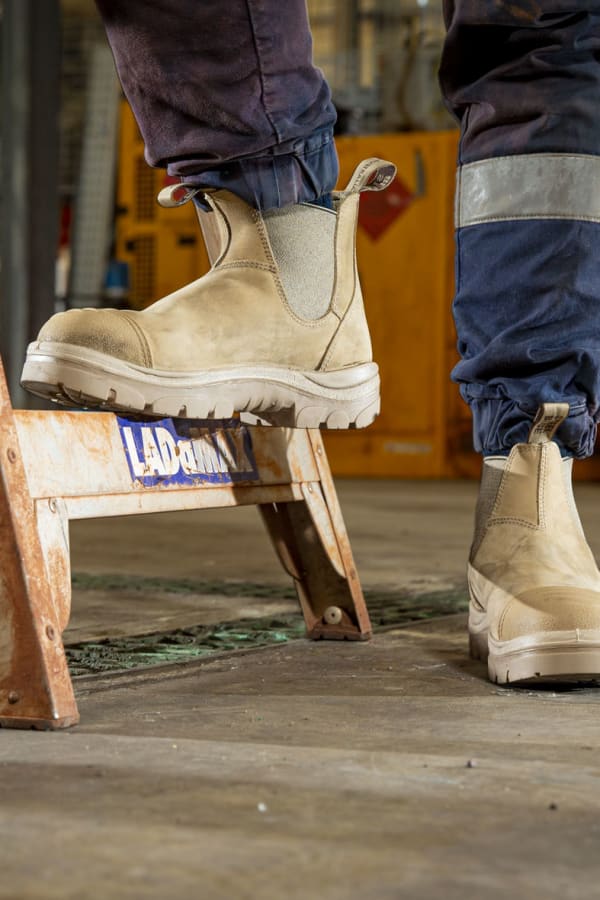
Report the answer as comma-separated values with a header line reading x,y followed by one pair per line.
x,y
57,466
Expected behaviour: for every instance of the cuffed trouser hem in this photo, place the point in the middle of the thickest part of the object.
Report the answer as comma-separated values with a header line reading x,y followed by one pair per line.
x,y
299,172
500,422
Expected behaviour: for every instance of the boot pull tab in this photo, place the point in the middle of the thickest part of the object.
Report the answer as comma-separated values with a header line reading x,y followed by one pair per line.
x,y
177,195
547,420
371,175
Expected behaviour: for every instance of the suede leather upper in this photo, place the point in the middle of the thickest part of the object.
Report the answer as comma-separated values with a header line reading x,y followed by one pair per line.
x,y
541,574
238,313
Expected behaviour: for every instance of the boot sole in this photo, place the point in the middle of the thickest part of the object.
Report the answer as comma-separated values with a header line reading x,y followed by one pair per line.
x,y
271,395
546,656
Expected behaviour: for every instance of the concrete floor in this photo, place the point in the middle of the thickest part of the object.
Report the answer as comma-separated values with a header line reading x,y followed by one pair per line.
x,y
391,769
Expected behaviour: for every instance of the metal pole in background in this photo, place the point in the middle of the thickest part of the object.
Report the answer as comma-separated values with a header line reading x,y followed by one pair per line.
x,y
29,189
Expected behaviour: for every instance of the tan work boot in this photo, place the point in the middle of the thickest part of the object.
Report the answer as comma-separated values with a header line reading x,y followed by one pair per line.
x,y
533,582
276,329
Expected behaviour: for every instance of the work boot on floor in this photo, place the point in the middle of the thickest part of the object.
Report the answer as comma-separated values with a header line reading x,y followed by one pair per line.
x,y
533,582
276,329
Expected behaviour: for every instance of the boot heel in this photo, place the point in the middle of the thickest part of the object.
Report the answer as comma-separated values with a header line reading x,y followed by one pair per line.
x,y
478,646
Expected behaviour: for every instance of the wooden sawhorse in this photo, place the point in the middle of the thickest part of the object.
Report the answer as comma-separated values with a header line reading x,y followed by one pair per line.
x,y
63,465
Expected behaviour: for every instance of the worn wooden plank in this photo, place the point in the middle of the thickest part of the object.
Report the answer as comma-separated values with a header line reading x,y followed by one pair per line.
x,y
138,502
71,454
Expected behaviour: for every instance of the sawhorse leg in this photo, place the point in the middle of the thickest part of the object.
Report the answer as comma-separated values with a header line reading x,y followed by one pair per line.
x,y
312,543
35,686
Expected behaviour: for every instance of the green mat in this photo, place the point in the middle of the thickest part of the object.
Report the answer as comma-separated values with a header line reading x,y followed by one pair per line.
x,y
387,608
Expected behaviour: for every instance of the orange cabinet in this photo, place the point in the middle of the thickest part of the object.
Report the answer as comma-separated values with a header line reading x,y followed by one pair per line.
x,y
405,252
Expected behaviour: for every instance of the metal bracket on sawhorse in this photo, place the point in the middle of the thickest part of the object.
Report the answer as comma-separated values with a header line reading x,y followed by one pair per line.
x,y
57,466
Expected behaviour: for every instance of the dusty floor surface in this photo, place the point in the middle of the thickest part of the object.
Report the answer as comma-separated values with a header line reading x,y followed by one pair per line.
x,y
391,769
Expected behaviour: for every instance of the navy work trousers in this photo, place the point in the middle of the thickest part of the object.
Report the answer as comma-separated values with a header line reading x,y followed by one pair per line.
x,y
523,77
226,95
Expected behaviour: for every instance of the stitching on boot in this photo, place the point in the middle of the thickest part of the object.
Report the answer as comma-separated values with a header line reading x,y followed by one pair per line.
x,y
512,520
495,519
355,282
145,347
338,266
264,267
502,618
507,469
221,212
336,337
264,238
249,264
336,262
541,486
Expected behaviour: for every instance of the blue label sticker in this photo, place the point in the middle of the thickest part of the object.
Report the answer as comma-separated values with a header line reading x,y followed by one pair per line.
x,y
192,452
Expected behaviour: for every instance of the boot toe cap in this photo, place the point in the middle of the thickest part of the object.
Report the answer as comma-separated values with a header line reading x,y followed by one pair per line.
x,y
549,610
107,331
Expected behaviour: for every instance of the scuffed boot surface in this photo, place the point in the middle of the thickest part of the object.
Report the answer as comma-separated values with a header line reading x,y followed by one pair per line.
x,y
276,330
533,582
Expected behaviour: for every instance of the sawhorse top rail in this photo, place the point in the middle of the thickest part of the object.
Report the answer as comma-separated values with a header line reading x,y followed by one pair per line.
x,y
63,465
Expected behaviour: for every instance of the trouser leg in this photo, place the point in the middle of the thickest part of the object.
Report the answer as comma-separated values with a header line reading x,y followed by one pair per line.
x,y
525,85
226,94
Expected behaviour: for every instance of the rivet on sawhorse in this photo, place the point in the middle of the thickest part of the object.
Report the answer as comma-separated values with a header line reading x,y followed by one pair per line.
x,y
332,615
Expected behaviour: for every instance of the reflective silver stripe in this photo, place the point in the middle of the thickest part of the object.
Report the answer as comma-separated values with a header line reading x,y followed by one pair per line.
x,y
532,186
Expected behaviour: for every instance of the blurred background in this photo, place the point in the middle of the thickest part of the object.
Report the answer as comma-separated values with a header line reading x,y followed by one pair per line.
x,y
80,225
